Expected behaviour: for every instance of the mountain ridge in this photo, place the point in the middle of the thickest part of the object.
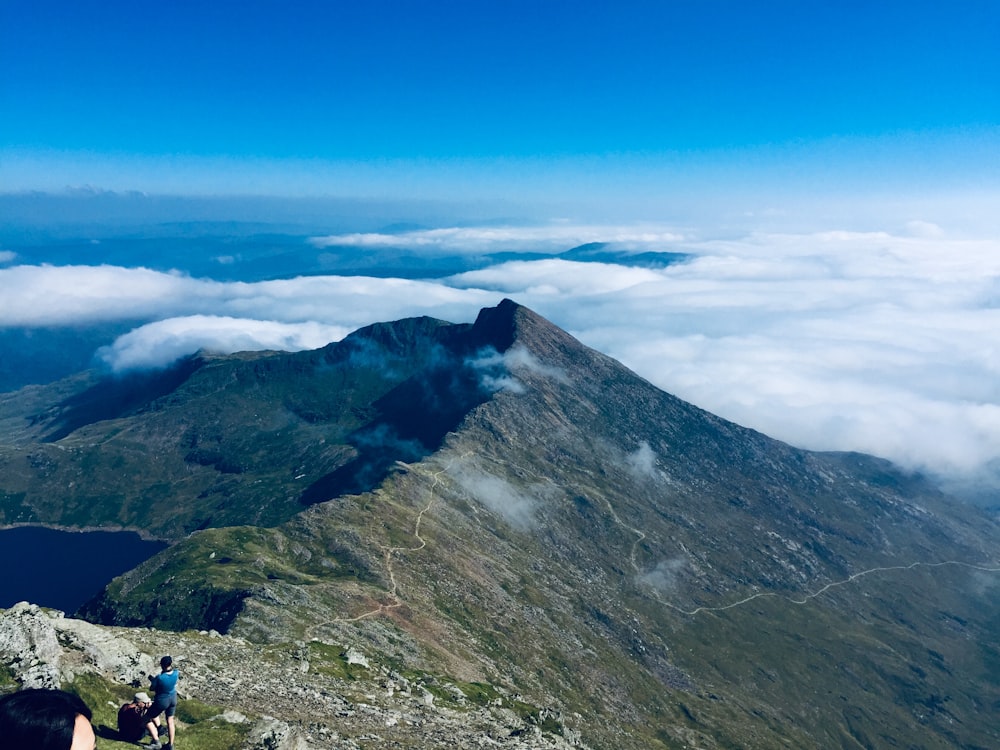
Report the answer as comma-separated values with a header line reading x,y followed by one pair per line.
x,y
539,517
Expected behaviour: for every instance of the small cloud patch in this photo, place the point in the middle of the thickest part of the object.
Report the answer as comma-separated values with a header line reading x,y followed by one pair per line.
x,y
517,507
665,577
642,462
498,371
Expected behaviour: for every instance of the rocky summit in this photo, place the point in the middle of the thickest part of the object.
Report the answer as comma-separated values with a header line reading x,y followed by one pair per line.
x,y
475,535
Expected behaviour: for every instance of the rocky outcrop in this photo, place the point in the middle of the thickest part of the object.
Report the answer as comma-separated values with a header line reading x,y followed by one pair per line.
x,y
45,649
294,701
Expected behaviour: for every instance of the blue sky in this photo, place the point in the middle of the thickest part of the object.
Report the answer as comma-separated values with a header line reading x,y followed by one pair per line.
x,y
831,170
335,97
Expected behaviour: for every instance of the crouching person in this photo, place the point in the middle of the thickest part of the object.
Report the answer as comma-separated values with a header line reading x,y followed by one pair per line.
x,y
132,718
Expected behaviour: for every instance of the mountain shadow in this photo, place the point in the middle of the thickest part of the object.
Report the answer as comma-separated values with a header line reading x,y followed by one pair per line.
x,y
413,419
116,397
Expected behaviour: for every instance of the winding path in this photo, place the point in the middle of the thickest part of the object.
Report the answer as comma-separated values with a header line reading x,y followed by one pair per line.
x,y
641,535
390,552
827,587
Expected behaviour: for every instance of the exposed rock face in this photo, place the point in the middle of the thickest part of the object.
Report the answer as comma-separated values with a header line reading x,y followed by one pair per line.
x,y
296,707
46,649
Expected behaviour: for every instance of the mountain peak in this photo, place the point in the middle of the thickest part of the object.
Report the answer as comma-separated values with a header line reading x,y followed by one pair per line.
x,y
511,323
498,326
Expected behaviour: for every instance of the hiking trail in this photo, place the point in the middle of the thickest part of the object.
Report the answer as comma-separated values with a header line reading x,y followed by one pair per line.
x,y
808,597
390,552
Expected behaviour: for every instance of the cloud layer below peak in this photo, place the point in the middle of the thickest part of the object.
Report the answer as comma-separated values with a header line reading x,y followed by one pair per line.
x,y
881,342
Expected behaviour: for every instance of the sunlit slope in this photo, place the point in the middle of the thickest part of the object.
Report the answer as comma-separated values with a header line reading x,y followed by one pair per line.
x,y
577,535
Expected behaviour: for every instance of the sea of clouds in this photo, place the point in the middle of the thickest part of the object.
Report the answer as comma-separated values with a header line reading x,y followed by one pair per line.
x,y
887,343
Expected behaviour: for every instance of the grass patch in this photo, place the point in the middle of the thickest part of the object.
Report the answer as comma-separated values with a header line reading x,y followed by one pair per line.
x,y
7,681
533,715
213,735
192,711
198,727
481,693
329,661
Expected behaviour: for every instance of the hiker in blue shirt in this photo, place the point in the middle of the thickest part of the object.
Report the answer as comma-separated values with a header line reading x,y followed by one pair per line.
x,y
164,687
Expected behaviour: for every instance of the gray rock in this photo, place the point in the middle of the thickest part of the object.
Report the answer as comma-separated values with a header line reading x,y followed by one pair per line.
x,y
45,648
287,708
354,656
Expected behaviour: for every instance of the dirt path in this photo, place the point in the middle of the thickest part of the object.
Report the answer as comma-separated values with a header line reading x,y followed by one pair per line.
x,y
389,553
827,587
640,536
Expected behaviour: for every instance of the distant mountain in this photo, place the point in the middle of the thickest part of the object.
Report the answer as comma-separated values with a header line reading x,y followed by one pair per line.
x,y
518,510
603,252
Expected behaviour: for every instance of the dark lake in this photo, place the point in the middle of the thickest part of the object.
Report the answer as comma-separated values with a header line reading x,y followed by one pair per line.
x,y
64,569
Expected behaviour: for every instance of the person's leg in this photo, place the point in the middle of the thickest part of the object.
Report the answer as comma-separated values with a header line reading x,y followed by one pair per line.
x,y
170,729
153,723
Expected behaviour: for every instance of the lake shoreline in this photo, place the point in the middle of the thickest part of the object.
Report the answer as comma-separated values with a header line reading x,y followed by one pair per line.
x,y
63,568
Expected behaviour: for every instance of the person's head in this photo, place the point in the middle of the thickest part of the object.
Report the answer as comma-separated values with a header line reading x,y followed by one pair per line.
x,y
141,698
37,719
166,663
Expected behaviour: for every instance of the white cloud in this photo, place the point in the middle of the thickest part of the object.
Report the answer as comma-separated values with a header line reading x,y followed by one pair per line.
x,y
160,343
7,256
556,278
553,237
834,340
72,295
494,374
517,507
879,341
642,462
69,295
517,359
665,576
919,228
499,371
